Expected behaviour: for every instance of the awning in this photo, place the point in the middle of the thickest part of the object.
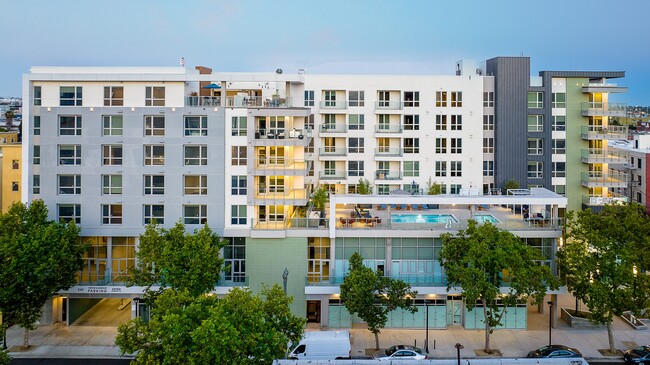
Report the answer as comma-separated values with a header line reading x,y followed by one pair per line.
x,y
212,86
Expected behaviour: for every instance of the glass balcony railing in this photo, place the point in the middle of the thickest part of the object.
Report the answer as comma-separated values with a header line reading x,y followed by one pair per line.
x,y
595,109
332,175
599,200
333,128
594,132
424,279
334,104
203,101
282,133
389,105
388,175
239,101
280,196
389,128
603,155
599,179
389,151
333,151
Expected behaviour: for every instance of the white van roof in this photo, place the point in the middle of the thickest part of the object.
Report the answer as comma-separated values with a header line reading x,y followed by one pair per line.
x,y
327,334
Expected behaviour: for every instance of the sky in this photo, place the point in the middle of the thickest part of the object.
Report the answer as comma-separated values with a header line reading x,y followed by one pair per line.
x,y
332,36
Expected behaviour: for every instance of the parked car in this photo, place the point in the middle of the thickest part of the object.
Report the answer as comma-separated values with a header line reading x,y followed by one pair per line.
x,y
638,355
402,352
555,351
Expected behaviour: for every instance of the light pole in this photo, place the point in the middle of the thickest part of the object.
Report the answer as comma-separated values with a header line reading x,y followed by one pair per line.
x,y
426,324
550,320
458,347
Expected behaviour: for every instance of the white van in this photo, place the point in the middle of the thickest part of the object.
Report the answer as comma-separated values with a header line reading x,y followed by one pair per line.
x,y
323,345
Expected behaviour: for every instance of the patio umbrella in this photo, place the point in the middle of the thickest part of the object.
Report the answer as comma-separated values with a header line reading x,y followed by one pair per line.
x,y
212,86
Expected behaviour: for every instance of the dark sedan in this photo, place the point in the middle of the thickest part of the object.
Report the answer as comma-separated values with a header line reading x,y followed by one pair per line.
x,y
638,355
555,351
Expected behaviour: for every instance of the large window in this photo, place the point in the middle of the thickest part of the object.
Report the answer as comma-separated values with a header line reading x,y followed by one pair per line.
x,y
195,155
355,168
36,160
411,168
154,96
456,99
441,98
70,96
69,213
411,145
112,154
456,169
441,122
111,184
154,184
535,99
356,98
154,212
36,184
234,254
559,123
239,155
238,185
456,123
111,213
488,122
195,184
239,126
535,169
69,184
441,168
355,145
535,146
238,214
69,125
70,154
309,97
559,100
488,145
356,122
535,123
37,95
154,155
488,168
488,99
441,145
37,125
113,125
559,169
456,145
195,214
113,96
411,122
411,98
196,125
559,146
154,125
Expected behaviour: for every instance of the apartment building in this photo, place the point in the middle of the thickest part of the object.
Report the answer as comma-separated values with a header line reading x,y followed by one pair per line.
x,y
114,148
10,169
635,152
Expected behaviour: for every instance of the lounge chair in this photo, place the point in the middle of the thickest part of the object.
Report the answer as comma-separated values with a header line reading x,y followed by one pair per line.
x,y
419,206
383,206
424,206
402,207
393,206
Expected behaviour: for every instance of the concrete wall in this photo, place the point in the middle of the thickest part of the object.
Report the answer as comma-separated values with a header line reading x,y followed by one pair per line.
x,y
78,306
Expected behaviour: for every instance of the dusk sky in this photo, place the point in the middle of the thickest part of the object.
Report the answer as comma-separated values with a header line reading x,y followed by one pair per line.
x,y
363,37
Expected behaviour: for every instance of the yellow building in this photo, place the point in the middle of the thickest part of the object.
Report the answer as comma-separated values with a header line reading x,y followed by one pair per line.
x,y
10,169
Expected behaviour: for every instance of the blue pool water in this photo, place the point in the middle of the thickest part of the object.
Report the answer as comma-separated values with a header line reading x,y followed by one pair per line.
x,y
480,218
423,218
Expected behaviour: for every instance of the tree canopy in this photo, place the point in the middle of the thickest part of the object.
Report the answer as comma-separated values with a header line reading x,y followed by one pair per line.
x,y
603,261
481,259
372,296
38,259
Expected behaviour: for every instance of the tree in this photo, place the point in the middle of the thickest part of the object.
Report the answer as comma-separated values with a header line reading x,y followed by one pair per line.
x,y
433,188
39,258
241,328
477,259
9,117
372,296
319,197
511,184
603,259
364,187
174,258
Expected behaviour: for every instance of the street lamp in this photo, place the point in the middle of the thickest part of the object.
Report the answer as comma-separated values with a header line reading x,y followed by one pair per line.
x,y
458,347
426,324
550,320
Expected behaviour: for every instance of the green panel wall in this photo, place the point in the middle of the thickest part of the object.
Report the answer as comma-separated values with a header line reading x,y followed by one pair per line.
x,y
575,143
266,259
79,306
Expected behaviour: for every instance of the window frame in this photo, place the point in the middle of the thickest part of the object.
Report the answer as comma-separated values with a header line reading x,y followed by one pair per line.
x,y
71,187
441,99
153,96
154,184
488,145
358,100
201,187
238,214
411,169
309,97
75,216
413,146
112,214
110,157
74,130
113,95
538,172
441,122
152,127
535,99
237,128
152,212
200,218
456,99
74,157
238,185
238,156
356,168
456,145
359,122
359,146
201,157
36,124
415,99
153,156
456,169
112,184
441,169
191,130
72,97
109,127
535,123
412,122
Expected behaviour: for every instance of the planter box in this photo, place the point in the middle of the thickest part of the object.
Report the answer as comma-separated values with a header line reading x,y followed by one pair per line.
x,y
578,322
633,321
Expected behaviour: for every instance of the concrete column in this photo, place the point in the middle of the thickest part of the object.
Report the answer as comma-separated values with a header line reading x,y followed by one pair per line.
x,y
389,257
325,312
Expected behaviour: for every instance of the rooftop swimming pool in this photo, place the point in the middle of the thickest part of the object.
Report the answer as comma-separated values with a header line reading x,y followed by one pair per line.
x,y
480,218
423,218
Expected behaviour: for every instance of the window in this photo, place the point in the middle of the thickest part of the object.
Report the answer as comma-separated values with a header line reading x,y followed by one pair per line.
x,y
488,168
356,122
411,98
69,184
488,99
195,184
356,145
111,213
455,188
411,145
239,155
37,155
535,169
113,125
559,123
69,213
488,145
154,96
559,169
355,168
239,126
441,168
559,100
238,214
196,125
69,125
112,154
456,145
412,168
70,154
441,98
535,146
113,96
536,99
37,95
37,125
559,146
384,99
196,155
154,125
14,186
441,145
412,122
456,123
456,99
70,96
383,122
111,184
239,184
638,163
356,98
330,98
154,212
559,189
154,155
488,122
456,169
154,184
535,123
36,184
234,254
441,122
15,164
309,97
383,189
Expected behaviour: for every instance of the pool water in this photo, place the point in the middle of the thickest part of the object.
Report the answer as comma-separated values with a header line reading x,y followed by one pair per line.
x,y
480,218
423,218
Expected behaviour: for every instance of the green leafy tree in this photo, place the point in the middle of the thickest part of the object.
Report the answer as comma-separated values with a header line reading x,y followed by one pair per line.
x,y
240,328
320,197
5,359
372,296
603,261
510,184
38,258
364,187
9,118
433,188
477,259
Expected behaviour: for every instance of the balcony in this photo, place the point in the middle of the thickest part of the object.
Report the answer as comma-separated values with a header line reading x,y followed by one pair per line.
x,y
603,88
600,109
282,137
388,175
389,152
332,128
240,101
333,151
600,180
387,105
203,101
280,166
598,132
332,175
388,128
279,195
603,155
334,104
599,200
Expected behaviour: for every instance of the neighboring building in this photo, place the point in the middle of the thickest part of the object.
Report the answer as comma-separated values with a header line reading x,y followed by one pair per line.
x,y
10,169
113,148
636,168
